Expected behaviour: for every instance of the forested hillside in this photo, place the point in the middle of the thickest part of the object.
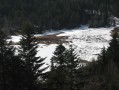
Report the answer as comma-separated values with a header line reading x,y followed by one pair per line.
x,y
24,71
56,14
22,67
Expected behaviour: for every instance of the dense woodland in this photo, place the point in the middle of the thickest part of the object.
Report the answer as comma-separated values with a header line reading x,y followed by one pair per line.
x,y
24,71
56,14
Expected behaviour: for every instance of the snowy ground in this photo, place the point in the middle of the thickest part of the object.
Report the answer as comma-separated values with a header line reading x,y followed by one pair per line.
x,y
88,42
46,51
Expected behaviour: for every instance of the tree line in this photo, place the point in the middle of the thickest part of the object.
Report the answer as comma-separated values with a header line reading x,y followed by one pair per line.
x,y
56,14
25,71
20,71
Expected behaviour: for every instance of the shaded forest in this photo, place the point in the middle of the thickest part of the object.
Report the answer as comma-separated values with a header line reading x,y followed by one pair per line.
x,y
24,71
56,14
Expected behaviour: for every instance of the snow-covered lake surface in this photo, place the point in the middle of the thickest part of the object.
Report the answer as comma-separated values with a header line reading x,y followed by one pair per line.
x,y
88,42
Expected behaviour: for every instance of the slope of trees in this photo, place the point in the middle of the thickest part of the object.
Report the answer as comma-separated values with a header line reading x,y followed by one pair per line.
x,y
63,74
24,71
10,66
56,14
102,74
32,64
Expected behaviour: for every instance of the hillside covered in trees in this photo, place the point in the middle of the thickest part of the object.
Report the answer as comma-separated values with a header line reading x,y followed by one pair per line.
x,y
24,71
56,14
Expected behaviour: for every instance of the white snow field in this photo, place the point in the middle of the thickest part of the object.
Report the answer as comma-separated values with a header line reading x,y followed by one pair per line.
x,y
15,38
46,51
88,42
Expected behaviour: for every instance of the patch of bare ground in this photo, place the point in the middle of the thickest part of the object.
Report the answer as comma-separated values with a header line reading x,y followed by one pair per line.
x,y
115,30
52,39
48,39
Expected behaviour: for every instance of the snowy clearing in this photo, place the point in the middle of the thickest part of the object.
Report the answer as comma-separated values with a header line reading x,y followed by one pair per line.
x,y
88,42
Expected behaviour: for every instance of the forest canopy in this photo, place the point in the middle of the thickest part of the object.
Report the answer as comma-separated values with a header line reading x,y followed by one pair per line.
x,y
56,14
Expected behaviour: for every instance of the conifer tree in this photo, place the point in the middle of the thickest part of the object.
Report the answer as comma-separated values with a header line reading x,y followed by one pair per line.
x,y
2,61
57,73
113,50
10,66
72,66
58,58
102,59
6,54
32,64
64,69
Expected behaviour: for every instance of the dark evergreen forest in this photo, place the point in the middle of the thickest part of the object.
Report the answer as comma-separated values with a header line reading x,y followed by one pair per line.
x,y
56,14
23,71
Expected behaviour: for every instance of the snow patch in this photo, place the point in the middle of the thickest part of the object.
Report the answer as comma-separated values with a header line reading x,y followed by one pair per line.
x,y
16,38
88,42
46,51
